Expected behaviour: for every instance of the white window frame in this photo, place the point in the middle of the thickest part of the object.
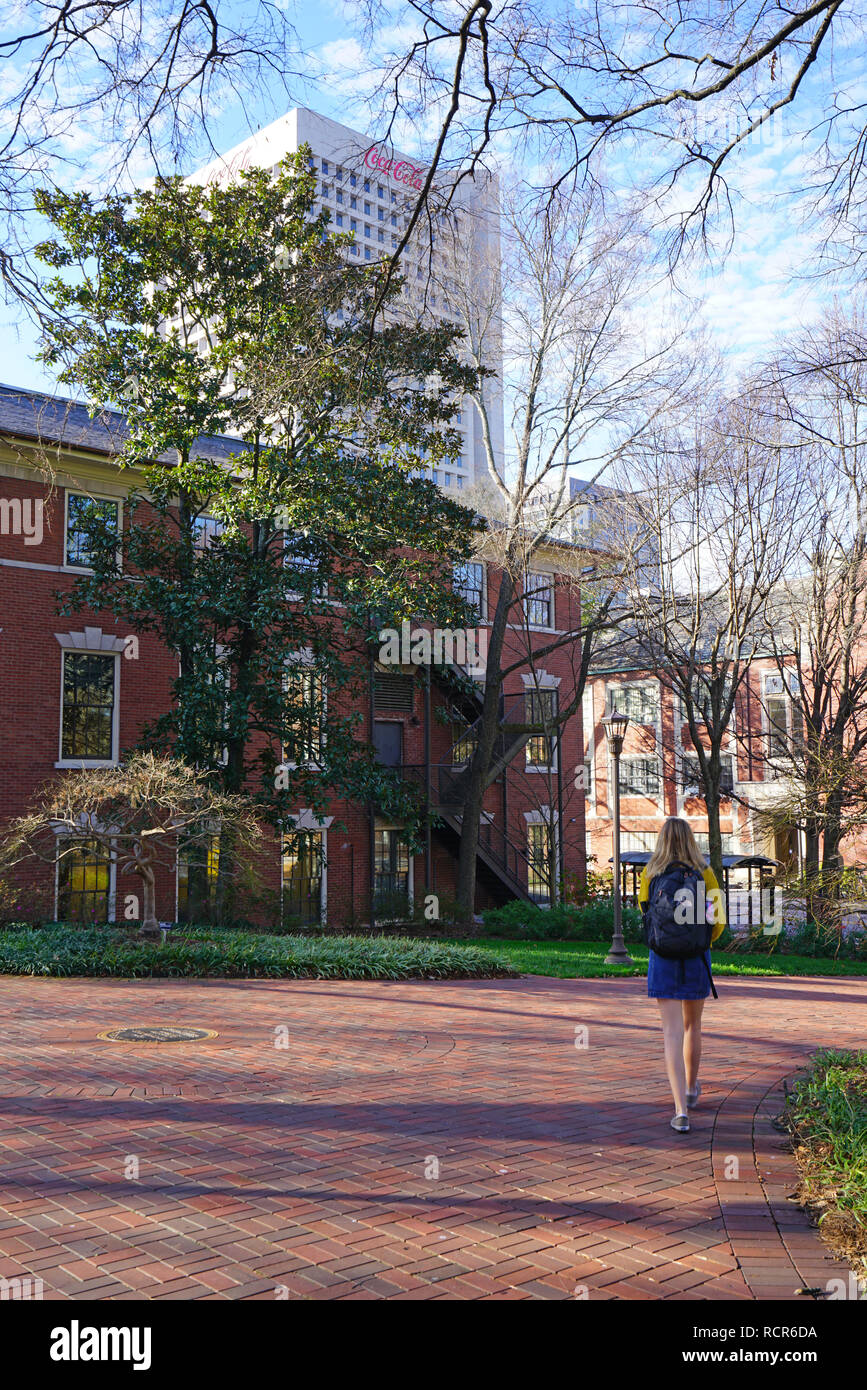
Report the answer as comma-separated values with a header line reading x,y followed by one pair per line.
x,y
483,608
111,915
92,642
529,598
92,497
304,657
305,820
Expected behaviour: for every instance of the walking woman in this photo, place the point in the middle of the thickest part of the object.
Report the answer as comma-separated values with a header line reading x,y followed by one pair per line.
x,y
680,984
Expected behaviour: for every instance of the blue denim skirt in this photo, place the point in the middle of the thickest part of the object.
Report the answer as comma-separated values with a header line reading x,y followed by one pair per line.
x,y
678,979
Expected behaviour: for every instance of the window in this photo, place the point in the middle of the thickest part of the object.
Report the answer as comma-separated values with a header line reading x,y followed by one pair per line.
x,y
88,707
339,196
84,882
198,872
367,209
639,777
87,518
692,774
777,707
206,530
353,203
380,190
367,185
539,600
640,702
540,859
540,707
380,235
302,876
380,214
340,219
367,253
325,166
367,231
730,843
391,873
644,840
353,180
300,558
305,712
394,219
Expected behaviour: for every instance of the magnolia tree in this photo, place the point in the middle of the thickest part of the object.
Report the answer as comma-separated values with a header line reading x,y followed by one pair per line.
x,y
238,310
145,813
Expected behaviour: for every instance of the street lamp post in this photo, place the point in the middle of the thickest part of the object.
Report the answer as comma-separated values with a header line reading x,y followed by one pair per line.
x,y
615,729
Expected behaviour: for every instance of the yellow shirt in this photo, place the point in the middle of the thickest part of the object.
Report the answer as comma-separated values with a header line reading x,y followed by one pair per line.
x,y
711,888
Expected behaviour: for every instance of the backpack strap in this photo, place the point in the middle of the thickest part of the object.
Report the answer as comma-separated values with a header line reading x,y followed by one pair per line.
x,y
709,975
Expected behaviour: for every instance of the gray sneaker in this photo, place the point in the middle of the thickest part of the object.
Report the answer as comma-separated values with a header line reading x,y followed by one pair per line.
x,y
680,1123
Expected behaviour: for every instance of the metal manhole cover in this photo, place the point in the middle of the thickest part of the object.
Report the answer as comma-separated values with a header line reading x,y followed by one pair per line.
x,y
156,1035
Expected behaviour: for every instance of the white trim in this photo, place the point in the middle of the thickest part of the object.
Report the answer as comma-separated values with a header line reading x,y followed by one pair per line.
x,y
95,642
540,680
112,878
94,497
549,575
305,820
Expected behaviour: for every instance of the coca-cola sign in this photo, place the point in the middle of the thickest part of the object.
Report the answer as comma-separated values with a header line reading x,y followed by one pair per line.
x,y
400,170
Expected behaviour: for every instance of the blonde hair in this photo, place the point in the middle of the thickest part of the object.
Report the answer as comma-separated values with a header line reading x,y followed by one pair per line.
x,y
676,844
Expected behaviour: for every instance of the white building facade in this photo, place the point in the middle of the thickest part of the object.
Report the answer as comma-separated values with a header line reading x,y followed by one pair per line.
x,y
369,189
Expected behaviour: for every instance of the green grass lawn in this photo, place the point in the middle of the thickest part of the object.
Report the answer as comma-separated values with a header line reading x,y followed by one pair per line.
x,y
569,960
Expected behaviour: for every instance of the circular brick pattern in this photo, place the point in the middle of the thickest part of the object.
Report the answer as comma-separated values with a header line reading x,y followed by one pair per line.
x,y
346,1139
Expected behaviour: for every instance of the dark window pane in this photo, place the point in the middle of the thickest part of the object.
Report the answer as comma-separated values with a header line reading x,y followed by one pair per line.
x,y
85,516
88,705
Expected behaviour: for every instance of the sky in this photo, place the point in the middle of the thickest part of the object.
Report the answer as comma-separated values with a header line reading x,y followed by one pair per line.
x,y
749,293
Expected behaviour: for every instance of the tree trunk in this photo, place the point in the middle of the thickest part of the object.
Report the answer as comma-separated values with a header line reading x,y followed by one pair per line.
x,y
714,835
150,927
477,772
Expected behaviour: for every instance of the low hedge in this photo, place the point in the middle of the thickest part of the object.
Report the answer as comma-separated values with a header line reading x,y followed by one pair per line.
x,y
233,954
591,921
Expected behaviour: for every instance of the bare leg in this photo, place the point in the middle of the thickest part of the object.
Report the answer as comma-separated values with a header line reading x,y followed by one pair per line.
x,y
692,1009
672,1034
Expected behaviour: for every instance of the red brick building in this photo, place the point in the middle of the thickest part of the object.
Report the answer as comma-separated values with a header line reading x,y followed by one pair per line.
x,y
76,689
659,767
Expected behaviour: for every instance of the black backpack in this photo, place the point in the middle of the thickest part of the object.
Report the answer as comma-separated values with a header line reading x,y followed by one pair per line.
x,y
675,919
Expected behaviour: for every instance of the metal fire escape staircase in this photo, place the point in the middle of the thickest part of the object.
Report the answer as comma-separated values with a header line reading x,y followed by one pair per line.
x,y
501,855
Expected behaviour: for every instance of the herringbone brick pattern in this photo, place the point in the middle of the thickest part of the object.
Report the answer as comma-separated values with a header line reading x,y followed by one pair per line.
x,y
424,1140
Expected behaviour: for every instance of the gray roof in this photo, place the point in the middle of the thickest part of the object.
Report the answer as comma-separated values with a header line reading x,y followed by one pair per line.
x,y
57,420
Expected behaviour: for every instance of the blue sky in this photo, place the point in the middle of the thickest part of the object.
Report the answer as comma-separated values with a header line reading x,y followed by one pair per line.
x,y
757,291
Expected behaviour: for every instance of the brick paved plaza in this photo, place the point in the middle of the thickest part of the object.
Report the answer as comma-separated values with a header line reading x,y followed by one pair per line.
x,y
299,1170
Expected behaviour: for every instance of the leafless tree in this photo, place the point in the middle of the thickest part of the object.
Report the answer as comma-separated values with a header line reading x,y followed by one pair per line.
x,y
581,384
819,388
145,813
683,85
718,504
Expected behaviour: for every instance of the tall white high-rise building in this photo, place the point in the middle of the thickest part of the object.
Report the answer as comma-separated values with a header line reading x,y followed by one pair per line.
x,y
370,190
